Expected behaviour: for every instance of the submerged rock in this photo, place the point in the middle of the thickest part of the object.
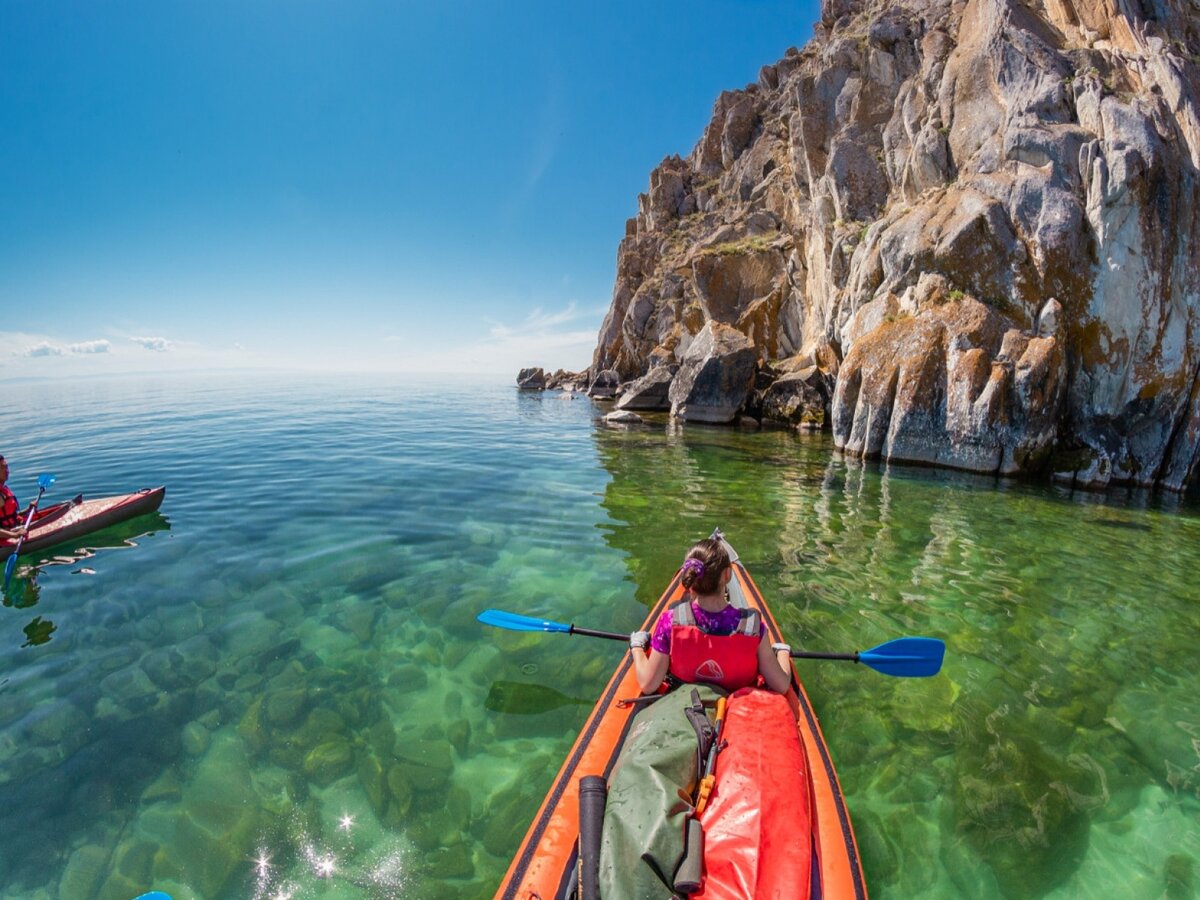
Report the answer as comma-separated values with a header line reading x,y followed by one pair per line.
x,y
623,417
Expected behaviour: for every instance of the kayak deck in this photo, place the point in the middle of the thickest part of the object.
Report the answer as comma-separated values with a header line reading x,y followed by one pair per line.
x,y
545,864
63,522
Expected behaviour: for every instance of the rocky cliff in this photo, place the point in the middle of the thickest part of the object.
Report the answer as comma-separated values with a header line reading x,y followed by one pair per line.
x,y
963,234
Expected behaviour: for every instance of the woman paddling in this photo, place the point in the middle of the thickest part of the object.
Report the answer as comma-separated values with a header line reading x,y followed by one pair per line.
x,y
11,526
705,639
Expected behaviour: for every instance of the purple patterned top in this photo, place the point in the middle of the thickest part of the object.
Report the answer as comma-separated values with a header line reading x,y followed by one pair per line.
x,y
724,622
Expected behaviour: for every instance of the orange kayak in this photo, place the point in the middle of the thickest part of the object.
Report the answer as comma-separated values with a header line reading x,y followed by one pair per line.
x,y
62,522
546,862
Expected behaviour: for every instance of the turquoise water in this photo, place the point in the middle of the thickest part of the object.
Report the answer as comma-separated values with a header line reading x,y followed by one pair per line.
x,y
276,687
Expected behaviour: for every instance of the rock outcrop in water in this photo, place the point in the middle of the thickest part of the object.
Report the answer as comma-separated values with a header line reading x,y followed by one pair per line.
x,y
961,234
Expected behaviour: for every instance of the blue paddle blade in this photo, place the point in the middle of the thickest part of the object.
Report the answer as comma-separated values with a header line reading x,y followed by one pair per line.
x,y
9,566
501,619
45,480
153,895
907,657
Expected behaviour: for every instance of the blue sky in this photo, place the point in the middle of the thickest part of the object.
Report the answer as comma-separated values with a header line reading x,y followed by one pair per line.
x,y
340,185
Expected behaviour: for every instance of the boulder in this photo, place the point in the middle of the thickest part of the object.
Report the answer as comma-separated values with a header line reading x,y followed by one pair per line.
x,y
605,385
715,377
563,380
623,417
531,380
798,398
648,392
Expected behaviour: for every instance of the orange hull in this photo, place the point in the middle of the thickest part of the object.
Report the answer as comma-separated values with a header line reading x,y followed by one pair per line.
x,y
544,866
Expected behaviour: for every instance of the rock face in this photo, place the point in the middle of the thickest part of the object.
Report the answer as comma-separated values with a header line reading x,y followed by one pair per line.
x,y
976,219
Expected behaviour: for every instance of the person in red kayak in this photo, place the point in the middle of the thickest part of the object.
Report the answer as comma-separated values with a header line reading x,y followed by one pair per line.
x,y
705,639
11,526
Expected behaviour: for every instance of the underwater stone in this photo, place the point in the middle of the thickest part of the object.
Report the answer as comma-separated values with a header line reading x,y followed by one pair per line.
x,y
117,659
288,755
293,674
360,620
165,787
875,847
452,703
459,735
374,783
130,688
275,790
136,860
195,738
320,726
165,670
515,803
83,872
249,633
119,887
248,683
401,788
428,655
434,830
285,706
328,761
250,727
61,721
434,754
200,656
458,807
450,862
455,654
353,707
382,738
208,861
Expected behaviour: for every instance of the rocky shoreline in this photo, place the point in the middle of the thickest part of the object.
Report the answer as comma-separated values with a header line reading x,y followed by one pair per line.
x,y
953,233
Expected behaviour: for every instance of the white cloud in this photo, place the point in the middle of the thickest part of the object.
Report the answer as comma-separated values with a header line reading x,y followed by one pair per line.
x,y
157,344
45,348
101,346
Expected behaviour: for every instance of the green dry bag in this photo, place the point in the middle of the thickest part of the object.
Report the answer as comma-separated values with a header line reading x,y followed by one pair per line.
x,y
643,834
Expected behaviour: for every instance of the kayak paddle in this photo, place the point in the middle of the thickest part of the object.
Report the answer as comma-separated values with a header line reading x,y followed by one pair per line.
x,y
44,481
906,657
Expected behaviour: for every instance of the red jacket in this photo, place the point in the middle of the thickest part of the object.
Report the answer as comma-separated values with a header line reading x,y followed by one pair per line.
x,y
10,509
727,660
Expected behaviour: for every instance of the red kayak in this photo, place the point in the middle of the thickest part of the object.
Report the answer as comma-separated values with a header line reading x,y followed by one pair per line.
x,y
74,518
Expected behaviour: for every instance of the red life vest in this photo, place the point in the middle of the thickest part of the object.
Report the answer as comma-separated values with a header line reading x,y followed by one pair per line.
x,y
727,660
10,509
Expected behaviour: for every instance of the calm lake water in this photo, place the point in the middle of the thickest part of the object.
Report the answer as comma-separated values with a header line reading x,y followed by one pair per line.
x,y
276,686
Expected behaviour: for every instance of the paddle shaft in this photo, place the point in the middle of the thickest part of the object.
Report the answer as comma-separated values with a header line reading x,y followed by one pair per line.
x,y
12,560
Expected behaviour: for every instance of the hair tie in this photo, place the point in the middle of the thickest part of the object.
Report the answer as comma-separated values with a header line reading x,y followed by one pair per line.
x,y
695,566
